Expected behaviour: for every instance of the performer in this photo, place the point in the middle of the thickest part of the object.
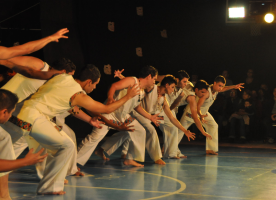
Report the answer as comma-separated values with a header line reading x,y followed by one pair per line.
x,y
8,102
155,102
184,94
203,104
30,47
61,93
147,77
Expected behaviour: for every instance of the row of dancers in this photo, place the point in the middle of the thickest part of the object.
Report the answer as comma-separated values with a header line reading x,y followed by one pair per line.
x,y
45,95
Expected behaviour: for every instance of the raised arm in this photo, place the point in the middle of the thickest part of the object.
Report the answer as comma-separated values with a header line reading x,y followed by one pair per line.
x,y
175,122
29,72
27,48
88,103
193,106
30,159
238,87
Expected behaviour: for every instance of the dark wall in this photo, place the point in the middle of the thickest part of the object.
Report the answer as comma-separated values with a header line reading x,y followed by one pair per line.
x,y
198,40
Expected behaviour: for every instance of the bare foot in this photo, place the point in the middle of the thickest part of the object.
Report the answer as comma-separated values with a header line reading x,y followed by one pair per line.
x,y
183,156
160,162
79,174
78,169
211,152
123,156
53,193
100,153
133,163
66,181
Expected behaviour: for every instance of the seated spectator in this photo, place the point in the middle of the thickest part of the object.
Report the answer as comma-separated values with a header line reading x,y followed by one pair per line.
x,y
250,83
270,118
242,117
228,82
232,104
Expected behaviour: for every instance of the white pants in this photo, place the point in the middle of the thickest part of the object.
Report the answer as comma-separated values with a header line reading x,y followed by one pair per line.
x,y
152,140
60,148
136,147
21,144
211,127
6,149
170,137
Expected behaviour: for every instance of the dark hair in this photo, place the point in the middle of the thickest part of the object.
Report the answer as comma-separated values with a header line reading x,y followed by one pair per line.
x,y
8,100
170,79
249,100
64,63
90,72
220,78
201,84
148,70
182,74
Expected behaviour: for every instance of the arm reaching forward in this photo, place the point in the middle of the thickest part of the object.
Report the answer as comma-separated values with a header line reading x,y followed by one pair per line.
x,y
30,47
30,159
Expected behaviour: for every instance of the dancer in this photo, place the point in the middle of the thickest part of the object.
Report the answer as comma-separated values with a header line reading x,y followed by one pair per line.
x,y
147,77
8,102
203,104
184,94
155,102
60,94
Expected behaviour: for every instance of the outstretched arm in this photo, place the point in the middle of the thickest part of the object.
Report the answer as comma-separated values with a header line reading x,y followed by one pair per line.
x,y
29,72
153,118
88,103
28,61
30,159
175,122
238,86
193,106
27,48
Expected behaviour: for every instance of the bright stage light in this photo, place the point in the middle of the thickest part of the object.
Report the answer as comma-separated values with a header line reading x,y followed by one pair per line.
x,y
236,12
269,18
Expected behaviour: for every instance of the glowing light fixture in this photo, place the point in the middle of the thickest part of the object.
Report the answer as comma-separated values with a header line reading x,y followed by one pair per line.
x,y
269,18
236,12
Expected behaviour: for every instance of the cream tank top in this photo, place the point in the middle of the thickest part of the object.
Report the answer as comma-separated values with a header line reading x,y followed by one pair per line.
x,y
51,99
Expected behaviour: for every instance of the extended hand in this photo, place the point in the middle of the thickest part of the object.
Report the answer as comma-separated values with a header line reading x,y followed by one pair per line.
x,y
110,101
133,91
190,135
202,119
155,119
239,86
33,158
125,127
60,34
207,135
118,73
94,121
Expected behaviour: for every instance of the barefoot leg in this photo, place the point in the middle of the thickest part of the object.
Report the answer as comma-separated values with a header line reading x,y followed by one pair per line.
x,y
160,162
66,181
53,193
211,152
132,163
183,156
100,153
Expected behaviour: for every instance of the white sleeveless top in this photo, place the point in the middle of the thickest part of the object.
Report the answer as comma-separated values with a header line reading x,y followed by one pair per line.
x,y
205,106
151,102
129,106
208,102
23,86
52,99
